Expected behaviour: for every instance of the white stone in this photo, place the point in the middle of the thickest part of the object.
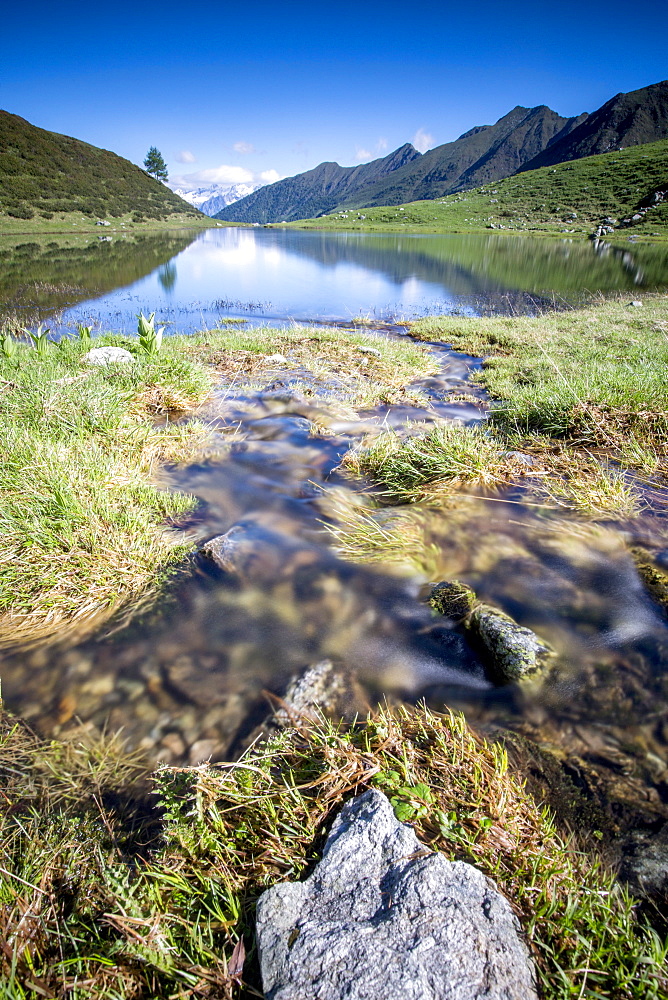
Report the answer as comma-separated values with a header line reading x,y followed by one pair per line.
x,y
108,356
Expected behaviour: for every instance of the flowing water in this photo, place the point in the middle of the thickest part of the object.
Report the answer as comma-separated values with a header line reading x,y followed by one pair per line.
x,y
186,680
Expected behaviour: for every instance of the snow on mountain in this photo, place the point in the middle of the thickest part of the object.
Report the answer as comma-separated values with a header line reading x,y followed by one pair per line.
x,y
211,198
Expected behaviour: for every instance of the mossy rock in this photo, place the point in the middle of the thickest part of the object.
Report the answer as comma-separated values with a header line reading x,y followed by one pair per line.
x,y
654,579
516,653
452,599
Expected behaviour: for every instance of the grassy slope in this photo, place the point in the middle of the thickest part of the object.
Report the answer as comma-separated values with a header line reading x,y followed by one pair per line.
x,y
178,892
537,201
49,180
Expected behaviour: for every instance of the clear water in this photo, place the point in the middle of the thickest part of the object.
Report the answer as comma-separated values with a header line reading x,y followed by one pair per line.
x,y
270,275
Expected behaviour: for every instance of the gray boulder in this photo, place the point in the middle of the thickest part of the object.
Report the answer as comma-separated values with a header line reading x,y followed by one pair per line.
x,y
108,356
383,918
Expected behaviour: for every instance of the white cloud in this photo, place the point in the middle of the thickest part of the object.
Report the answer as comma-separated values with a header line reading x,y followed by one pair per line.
x,y
361,155
423,140
244,147
224,174
269,176
185,156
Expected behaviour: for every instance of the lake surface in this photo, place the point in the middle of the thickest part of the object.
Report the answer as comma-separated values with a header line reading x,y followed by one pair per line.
x,y
193,281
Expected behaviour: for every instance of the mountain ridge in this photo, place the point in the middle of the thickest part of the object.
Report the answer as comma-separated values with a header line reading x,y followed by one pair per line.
x,y
317,190
523,139
627,119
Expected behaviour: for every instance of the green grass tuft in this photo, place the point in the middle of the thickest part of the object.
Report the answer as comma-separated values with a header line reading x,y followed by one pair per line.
x,y
81,525
425,465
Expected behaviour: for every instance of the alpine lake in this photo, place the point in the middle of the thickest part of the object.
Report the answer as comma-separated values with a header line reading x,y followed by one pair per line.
x,y
186,679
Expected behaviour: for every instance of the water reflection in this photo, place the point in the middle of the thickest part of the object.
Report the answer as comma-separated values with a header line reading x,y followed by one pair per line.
x,y
194,280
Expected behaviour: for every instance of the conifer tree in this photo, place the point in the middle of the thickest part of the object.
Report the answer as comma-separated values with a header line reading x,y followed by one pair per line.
x,y
155,165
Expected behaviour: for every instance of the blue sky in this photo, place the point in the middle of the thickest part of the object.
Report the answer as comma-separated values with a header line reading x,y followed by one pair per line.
x,y
232,92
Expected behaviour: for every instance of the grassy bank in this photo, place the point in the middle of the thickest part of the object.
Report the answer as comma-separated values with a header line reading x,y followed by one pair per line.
x,y
579,423
82,527
597,374
572,197
75,222
101,898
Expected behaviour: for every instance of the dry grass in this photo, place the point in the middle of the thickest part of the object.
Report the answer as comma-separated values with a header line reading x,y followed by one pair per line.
x,y
84,915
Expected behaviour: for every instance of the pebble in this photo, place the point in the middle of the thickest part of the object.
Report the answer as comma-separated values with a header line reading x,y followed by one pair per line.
x,y
202,751
635,303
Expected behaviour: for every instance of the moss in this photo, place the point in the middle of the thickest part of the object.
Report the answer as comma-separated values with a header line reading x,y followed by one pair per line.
x,y
452,599
655,580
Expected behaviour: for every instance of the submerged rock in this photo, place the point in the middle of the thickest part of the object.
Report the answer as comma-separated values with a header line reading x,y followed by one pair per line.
x,y
383,917
452,599
322,686
515,651
655,579
645,865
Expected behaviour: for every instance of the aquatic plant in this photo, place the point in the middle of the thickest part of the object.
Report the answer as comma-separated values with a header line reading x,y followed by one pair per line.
x,y
8,345
428,463
84,335
41,341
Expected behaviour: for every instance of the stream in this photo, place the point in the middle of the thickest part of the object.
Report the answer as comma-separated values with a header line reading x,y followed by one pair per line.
x,y
187,680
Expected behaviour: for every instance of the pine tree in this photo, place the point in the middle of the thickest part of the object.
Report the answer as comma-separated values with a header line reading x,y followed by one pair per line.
x,y
155,165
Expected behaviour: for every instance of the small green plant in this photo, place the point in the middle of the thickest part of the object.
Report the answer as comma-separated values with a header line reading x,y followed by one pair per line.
x,y
84,333
8,345
150,339
40,340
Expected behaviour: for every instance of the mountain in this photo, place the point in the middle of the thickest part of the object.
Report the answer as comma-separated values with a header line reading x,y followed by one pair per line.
x,y
213,198
46,173
314,192
621,191
626,120
523,139
483,154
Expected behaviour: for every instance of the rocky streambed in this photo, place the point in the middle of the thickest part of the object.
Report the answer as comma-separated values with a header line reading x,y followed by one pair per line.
x,y
272,591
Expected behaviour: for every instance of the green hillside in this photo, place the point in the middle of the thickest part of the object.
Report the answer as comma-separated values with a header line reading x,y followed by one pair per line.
x,y
574,197
45,177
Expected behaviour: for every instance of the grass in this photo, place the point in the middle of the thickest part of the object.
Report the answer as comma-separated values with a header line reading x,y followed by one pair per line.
x,y
612,184
425,465
82,527
319,361
101,899
595,375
